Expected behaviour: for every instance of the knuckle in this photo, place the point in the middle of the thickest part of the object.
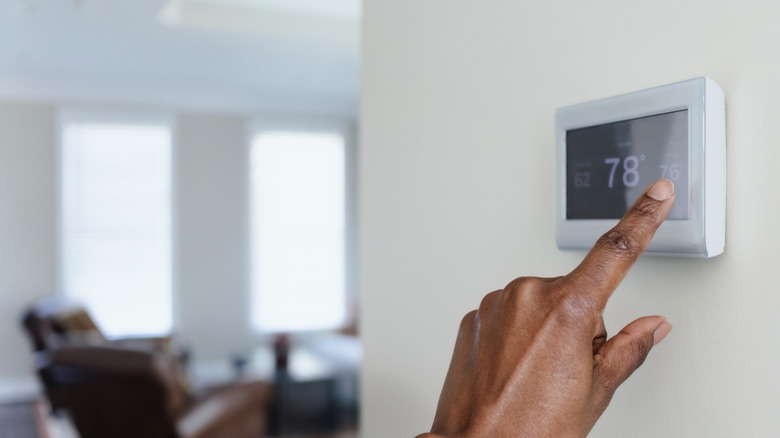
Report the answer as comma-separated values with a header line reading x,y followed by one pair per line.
x,y
525,285
467,322
619,242
488,301
469,326
523,290
528,293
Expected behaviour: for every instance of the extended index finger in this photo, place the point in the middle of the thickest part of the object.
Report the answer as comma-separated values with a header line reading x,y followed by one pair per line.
x,y
615,252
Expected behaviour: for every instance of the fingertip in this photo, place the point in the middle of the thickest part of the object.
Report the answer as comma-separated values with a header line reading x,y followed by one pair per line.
x,y
661,190
661,331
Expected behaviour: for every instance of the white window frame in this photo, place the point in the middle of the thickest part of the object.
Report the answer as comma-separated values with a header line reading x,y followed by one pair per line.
x,y
120,116
348,129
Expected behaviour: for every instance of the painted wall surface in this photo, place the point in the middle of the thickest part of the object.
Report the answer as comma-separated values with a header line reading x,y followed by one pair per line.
x,y
212,300
457,187
27,223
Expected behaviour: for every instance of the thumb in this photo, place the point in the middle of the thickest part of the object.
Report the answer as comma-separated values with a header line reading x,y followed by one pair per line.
x,y
620,356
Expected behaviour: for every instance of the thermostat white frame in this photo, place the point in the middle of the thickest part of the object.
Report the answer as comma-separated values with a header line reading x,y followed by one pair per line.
x,y
703,233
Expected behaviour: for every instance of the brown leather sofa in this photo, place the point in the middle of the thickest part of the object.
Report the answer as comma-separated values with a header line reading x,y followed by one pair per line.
x,y
119,393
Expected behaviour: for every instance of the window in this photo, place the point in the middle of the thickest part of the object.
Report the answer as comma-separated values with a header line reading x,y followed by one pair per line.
x,y
298,230
115,215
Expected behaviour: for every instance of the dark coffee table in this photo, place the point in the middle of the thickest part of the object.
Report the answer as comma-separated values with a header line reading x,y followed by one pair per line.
x,y
317,393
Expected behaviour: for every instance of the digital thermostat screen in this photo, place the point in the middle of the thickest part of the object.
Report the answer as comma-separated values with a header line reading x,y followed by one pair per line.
x,y
608,166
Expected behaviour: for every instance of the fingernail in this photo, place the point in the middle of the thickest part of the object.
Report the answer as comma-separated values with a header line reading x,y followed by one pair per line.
x,y
661,331
661,190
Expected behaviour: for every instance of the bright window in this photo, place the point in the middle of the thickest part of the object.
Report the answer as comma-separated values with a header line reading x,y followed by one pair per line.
x,y
116,223
298,231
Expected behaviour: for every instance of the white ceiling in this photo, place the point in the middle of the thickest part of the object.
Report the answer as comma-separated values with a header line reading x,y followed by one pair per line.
x,y
346,9
239,55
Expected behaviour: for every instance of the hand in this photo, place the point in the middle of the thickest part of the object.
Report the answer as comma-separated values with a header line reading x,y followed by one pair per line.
x,y
534,359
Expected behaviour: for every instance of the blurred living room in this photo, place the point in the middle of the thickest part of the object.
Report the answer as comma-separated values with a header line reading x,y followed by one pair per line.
x,y
177,231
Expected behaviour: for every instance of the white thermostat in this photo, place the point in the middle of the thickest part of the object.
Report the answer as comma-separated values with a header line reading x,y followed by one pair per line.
x,y
610,150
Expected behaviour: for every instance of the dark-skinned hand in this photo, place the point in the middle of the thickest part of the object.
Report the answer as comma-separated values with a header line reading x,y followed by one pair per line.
x,y
534,360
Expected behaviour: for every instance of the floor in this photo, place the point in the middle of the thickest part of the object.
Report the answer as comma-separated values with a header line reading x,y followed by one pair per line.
x,y
18,420
350,434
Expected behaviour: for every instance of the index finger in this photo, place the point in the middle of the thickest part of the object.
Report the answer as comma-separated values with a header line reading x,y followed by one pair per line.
x,y
615,252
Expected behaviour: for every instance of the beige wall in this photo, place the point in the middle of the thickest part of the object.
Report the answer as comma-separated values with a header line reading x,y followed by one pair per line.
x,y
212,299
27,223
457,186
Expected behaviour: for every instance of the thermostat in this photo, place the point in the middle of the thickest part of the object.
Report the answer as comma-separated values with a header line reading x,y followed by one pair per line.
x,y
610,150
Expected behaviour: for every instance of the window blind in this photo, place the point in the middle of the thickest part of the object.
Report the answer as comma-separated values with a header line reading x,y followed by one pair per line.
x,y
116,224
298,231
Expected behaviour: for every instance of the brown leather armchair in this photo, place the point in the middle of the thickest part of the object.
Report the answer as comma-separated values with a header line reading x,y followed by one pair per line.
x,y
55,322
121,393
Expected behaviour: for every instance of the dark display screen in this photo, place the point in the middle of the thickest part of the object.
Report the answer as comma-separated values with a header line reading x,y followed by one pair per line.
x,y
608,166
